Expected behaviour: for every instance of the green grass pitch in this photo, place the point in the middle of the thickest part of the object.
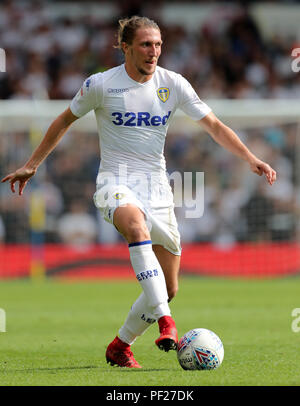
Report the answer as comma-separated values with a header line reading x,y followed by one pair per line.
x,y
57,333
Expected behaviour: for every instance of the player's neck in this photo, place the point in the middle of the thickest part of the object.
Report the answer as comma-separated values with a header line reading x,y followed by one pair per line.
x,y
134,74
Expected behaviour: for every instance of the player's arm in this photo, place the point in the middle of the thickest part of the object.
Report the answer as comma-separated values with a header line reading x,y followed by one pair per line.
x,y
228,139
53,135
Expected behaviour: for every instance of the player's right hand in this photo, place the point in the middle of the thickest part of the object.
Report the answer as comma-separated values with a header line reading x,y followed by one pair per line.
x,y
22,176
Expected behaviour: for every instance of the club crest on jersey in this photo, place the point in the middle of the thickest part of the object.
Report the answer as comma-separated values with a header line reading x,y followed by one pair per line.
x,y
163,93
118,196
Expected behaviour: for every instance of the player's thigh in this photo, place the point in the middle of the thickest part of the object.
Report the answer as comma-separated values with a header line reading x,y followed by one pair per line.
x,y
129,220
170,264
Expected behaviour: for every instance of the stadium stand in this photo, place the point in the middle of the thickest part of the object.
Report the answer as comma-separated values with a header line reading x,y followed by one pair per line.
x,y
51,47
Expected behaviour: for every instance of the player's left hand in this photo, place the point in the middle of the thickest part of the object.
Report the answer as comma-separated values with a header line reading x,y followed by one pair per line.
x,y
260,168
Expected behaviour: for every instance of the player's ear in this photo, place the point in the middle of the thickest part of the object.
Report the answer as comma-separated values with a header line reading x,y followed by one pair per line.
x,y
124,47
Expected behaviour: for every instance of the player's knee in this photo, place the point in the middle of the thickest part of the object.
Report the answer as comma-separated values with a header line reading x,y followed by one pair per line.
x,y
136,231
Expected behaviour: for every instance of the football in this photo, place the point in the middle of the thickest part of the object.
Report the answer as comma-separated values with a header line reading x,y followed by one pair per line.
x,y
200,349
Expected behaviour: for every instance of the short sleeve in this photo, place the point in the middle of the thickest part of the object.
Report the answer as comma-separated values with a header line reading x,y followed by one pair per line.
x,y
89,96
188,100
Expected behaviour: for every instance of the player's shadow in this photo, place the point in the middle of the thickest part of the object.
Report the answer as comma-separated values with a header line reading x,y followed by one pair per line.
x,y
75,368
140,371
48,369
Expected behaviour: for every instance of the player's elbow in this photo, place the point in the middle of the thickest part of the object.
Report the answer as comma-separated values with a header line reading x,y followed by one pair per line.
x,y
213,126
67,118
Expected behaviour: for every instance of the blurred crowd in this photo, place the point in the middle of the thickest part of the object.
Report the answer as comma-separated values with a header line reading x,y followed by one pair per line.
x,y
49,57
227,57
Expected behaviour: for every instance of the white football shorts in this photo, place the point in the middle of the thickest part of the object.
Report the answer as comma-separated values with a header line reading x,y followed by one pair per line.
x,y
158,208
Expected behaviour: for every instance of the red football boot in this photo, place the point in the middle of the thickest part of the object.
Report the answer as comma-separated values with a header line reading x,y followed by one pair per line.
x,y
119,353
168,338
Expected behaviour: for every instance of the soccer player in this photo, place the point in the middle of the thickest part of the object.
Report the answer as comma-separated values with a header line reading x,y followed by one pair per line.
x,y
134,104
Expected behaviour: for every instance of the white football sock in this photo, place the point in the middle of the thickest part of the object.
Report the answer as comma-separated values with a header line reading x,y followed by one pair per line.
x,y
151,277
138,320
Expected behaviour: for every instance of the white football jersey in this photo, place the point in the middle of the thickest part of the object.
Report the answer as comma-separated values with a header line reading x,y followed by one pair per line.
x,y
133,118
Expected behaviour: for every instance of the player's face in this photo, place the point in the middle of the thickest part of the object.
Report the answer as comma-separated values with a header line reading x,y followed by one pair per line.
x,y
142,55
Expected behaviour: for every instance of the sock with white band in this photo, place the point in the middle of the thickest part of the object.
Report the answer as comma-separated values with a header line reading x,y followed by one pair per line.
x,y
153,302
151,277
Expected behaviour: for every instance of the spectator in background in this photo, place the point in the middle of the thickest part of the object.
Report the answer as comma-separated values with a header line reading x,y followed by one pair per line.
x,y
77,228
16,224
258,212
2,231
